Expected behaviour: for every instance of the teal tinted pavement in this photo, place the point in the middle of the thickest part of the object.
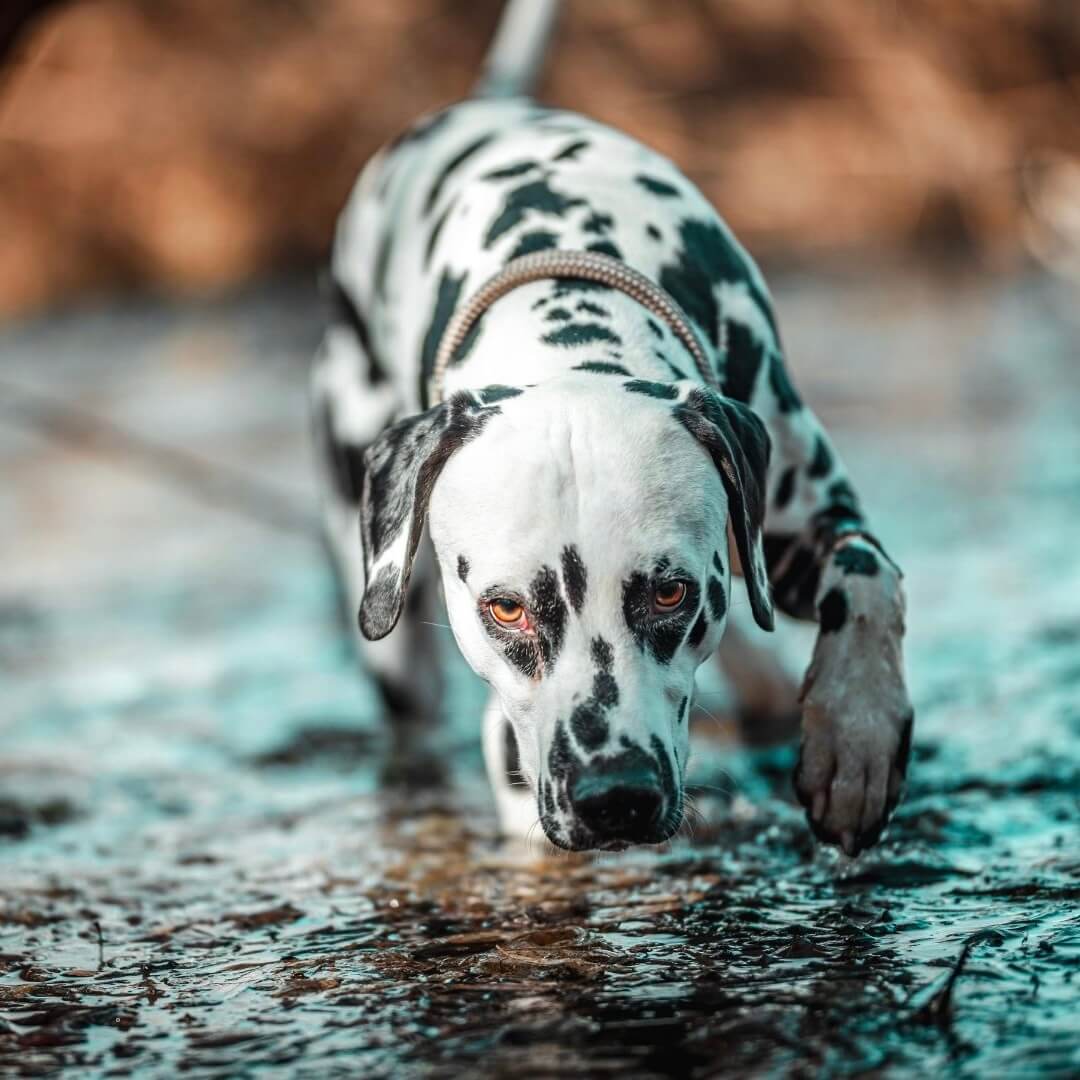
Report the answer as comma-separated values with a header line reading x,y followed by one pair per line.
x,y
201,871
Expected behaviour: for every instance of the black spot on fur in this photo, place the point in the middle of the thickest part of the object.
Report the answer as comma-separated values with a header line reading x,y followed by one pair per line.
x,y
424,128
574,576
856,560
436,232
717,562
589,725
655,327
537,196
717,599
462,567
549,611
656,187
786,396
697,632
558,314
576,334
706,258
667,776
745,355
785,490
676,372
832,611
561,759
382,260
683,709
511,756
571,150
450,167
538,240
664,391
794,570
508,172
601,367
344,461
822,461
344,312
468,342
597,223
490,394
604,247
653,232
446,302
660,634
593,309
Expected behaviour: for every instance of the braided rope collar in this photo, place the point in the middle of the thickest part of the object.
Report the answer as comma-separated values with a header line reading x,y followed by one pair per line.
x,y
585,265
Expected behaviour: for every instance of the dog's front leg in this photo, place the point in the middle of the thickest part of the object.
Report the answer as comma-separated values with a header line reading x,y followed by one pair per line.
x,y
857,717
514,802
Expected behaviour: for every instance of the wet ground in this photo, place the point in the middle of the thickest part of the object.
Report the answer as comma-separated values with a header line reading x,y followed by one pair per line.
x,y
201,873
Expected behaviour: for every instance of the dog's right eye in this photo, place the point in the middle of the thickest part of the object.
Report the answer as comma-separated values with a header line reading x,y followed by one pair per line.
x,y
508,613
669,595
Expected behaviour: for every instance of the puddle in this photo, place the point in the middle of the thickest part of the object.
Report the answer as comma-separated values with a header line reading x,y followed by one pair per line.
x,y
202,871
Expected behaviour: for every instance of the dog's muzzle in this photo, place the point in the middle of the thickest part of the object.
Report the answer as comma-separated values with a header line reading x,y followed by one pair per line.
x,y
621,800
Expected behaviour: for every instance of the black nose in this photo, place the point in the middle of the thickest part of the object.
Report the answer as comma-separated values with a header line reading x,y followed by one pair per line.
x,y
619,806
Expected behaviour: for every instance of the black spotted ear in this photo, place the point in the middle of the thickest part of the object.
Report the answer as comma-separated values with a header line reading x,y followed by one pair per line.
x,y
739,445
400,469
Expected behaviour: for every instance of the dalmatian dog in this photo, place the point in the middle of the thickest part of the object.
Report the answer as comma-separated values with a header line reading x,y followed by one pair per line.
x,y
593,485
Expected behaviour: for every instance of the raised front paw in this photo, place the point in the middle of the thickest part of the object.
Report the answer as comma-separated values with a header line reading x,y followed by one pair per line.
x,y
851,772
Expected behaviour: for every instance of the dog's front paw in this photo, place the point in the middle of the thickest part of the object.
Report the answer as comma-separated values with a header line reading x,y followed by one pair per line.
x,y
851,771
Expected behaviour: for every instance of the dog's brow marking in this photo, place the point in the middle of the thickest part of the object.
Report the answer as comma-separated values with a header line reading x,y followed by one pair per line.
x,y
549,610
574,577
462,567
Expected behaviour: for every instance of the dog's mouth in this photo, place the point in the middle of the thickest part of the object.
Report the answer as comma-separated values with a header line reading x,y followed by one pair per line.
x,y
573,834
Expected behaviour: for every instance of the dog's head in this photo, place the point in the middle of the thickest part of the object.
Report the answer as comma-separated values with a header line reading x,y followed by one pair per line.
x,y
581,528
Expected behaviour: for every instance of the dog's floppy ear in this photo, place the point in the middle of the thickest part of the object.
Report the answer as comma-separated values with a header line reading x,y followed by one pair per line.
x,y
400,469
739,445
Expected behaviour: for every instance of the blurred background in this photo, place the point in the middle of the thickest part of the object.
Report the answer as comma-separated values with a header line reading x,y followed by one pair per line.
x,y
191,144
204,868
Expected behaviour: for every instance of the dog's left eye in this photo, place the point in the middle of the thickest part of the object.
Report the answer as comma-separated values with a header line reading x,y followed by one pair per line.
x,y
508,613
669,595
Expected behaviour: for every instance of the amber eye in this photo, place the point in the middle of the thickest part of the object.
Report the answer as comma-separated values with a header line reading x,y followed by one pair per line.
x,y
669,595
507,613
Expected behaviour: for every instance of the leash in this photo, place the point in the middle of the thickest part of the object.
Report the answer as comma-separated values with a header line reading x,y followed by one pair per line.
x,y
583,265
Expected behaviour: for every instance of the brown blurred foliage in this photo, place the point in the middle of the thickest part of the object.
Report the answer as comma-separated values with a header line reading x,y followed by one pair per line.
x,y
187,144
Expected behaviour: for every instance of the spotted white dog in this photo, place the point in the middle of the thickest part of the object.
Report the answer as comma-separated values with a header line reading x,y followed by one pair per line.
x,y
589,487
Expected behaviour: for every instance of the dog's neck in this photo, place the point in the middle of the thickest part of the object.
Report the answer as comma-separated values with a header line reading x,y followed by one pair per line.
x,y
548,328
